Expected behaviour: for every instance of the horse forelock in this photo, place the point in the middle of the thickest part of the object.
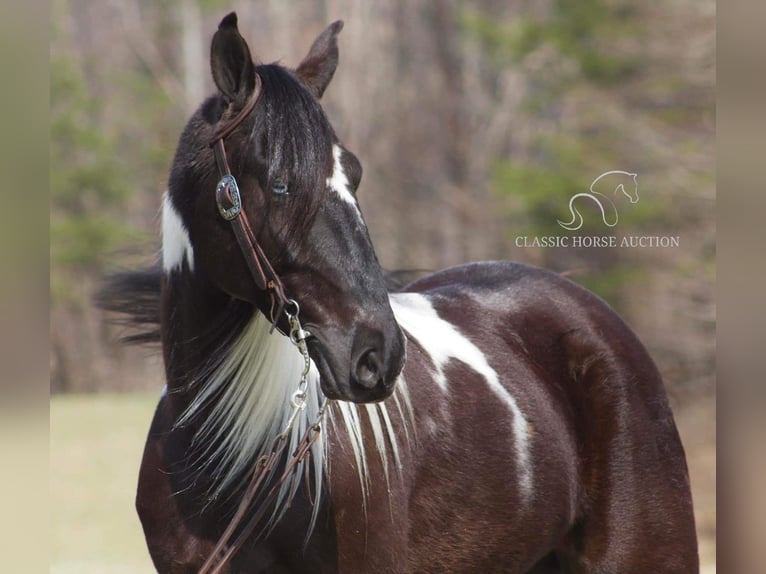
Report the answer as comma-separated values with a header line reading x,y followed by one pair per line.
x,y
288,132
298,140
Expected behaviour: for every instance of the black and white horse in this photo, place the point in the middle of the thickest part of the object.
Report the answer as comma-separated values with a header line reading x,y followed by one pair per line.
x,y
490,417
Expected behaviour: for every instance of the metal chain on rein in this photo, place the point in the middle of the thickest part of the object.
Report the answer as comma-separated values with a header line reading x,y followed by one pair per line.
x,y
266,278
266,466
298,336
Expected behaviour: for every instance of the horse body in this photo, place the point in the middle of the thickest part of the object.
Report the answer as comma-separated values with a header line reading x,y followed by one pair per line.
x,y
526,431
603,478
598,478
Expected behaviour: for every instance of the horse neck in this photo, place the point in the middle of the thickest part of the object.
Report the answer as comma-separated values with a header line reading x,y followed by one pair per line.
x,y
198,323
229,378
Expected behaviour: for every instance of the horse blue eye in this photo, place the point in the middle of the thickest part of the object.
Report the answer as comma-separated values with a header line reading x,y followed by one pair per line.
x,y
279,189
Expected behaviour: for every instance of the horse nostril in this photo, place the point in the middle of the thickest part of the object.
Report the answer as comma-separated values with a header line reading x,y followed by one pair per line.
x,y
368,369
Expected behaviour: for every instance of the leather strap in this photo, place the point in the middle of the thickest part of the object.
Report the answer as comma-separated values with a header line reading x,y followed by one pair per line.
x,y
224,131
229,203
263,472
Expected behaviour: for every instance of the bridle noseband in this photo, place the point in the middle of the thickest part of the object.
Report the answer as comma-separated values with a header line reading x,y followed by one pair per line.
x,y
229,201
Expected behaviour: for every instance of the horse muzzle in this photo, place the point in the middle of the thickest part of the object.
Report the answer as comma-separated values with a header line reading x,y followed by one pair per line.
x,y
362,368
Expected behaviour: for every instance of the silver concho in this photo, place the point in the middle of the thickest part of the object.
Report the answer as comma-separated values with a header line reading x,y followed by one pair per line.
x,y
228,213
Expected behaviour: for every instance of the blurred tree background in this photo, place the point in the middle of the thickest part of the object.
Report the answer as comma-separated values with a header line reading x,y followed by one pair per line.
x,y
475,121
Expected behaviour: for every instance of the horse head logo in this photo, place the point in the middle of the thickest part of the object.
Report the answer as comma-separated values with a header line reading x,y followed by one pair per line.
x,y
608,210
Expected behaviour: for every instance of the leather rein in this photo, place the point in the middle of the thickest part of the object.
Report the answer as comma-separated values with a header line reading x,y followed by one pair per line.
x,y
229,201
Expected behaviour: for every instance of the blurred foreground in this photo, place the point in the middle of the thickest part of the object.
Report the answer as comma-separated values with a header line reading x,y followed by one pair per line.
x,y
96,446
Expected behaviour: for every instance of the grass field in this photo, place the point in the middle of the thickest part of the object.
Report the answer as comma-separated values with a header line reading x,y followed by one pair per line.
x,y
96,445
95,448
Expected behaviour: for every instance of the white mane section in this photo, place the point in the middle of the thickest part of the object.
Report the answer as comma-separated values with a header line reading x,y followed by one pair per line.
x,y
338,181
250,390
176,244
383,433
443,342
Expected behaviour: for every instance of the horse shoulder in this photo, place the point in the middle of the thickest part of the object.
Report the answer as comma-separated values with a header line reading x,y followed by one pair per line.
x,y
173,546
592,399
485,418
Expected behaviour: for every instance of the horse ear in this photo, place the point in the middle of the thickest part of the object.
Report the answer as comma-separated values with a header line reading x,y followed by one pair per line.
x,y
317,68
230,61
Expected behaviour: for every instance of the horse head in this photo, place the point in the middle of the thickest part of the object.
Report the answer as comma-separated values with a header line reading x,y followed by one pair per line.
x,y
298,187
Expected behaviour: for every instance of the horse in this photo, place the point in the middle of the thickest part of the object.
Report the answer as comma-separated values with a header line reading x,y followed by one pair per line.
x,y
487,418
602,201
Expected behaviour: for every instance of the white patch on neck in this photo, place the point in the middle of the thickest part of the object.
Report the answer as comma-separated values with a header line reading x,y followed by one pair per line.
x,y
176,245
443,342
338,182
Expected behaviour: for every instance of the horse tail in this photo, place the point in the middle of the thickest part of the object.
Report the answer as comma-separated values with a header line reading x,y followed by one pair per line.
x,y
577,220
134,297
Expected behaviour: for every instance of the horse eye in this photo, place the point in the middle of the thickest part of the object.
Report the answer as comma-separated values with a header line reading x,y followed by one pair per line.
x,y
279,189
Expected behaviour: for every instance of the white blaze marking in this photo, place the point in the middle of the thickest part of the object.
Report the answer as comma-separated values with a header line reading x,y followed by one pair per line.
x,y
338,182
442,341
176,244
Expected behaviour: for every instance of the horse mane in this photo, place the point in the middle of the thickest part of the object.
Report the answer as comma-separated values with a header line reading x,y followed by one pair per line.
x,y
222,398
397,280
132,299
299,145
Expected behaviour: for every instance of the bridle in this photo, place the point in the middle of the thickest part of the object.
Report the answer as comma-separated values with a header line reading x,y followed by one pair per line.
x,y
229,203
